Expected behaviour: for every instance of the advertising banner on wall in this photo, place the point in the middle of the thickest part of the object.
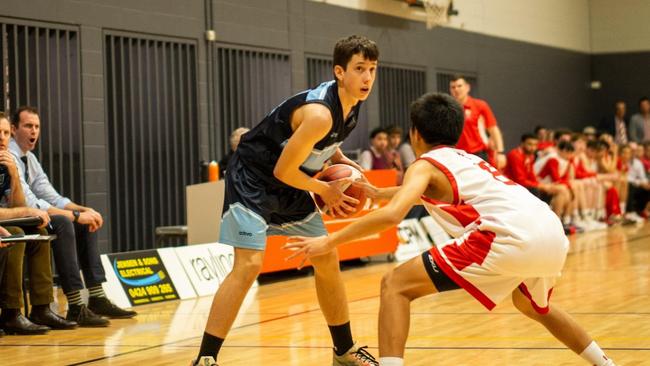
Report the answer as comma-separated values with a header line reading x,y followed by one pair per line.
x,y
143,277
206,265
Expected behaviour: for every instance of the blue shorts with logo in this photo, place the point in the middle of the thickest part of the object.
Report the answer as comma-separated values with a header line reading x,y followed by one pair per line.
x,y
254,209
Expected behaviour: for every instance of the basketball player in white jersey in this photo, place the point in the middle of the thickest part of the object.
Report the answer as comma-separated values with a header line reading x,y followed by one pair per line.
x,y
506,242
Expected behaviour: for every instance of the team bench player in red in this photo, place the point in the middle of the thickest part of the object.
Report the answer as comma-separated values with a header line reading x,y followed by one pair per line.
x,y
506,242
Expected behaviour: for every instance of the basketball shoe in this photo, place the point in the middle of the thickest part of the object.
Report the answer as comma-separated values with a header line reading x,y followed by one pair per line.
x,y
355,356
204,361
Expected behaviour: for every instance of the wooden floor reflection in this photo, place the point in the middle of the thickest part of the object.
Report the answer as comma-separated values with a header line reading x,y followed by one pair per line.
x,y
606,286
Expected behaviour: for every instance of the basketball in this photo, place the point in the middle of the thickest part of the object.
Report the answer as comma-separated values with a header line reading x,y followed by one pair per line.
x,y
336,172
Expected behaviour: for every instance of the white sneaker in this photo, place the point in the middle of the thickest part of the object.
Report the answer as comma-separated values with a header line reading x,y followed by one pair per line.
x,y
596,225
633,216
581,225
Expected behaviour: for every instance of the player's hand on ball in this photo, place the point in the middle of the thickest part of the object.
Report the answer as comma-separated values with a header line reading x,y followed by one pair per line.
x,y
307,247
371,191
337,202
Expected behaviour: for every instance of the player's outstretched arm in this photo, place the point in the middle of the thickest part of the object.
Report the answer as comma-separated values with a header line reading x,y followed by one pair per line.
x,y
417,179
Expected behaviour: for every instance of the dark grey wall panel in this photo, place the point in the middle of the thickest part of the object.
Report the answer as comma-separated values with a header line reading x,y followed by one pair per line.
x,y
43,67
398,87
152,127
249,84
623,76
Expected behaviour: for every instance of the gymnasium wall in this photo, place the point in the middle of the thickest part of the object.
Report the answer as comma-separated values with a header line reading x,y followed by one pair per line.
x,y
525,83
620,34
555,23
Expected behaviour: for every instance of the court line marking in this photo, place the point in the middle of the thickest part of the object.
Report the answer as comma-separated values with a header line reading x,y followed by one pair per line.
x,y
294,314
195,337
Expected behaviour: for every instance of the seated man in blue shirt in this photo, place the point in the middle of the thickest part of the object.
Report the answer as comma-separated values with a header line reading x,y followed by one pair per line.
x,y
75,226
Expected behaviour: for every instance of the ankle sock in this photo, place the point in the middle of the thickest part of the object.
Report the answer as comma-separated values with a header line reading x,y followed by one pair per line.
x,y
341,337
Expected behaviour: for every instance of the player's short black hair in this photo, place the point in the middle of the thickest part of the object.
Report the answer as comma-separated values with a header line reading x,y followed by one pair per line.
x,y
643,99
347,47
539,127
377,131
527,136
438,118
565,146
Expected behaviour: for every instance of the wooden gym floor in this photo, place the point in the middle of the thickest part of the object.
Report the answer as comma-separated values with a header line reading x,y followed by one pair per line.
x,y
606,286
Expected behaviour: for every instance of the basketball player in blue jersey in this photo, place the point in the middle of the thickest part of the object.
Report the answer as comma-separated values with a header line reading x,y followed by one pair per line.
x,y
268,182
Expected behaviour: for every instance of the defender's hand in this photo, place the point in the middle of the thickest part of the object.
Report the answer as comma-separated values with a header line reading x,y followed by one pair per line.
x,y
307,247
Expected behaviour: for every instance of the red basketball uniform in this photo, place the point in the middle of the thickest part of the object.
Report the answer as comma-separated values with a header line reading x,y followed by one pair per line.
x,y
503,236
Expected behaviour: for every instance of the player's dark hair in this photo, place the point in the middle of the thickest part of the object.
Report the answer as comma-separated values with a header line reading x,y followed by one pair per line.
x,y
565,146
438,118
643,99
347,47
25,108
377,131
527,136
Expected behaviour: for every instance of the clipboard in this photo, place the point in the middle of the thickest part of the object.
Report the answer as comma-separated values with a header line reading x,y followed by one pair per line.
x,y
22,221
27,238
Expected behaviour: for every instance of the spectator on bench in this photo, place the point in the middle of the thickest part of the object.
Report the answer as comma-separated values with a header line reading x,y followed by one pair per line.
x,y
12,202
638,186
75,226
392,152
375,156
519,168
234,139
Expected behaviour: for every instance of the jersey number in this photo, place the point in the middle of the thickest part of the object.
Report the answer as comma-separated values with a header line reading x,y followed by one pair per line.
x,y
496,174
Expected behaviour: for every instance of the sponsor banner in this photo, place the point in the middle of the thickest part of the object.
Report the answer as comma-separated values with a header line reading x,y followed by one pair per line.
x,y
143,277
437,234
112,286
413,239
206,265
177,273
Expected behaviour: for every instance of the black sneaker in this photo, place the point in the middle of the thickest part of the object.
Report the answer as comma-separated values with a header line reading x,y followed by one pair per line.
x,y
104,306
85,317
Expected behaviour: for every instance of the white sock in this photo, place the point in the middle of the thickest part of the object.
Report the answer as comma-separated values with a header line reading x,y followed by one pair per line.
x,y
623,204
391,361
566,220
595,356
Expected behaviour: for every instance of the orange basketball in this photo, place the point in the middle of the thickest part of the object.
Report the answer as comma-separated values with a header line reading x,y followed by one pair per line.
x,y
339,171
